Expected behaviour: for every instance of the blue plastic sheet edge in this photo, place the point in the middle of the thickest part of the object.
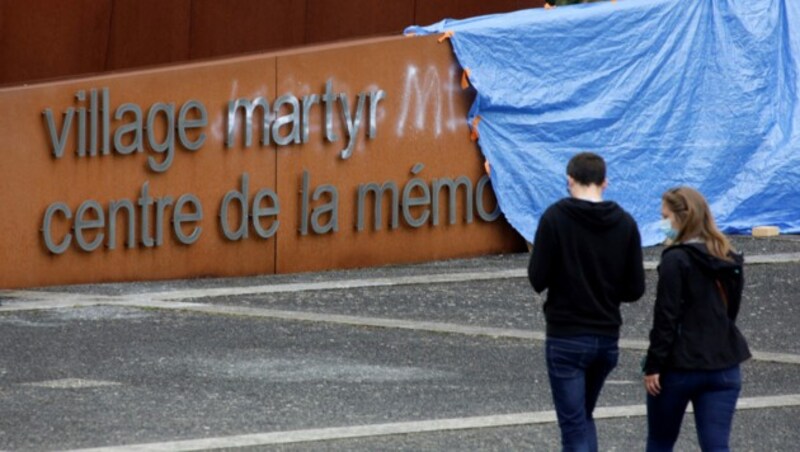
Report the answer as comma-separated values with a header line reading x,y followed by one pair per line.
x,y
670,93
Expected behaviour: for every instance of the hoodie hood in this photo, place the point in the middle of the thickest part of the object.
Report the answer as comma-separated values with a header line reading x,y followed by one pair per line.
x,y
707,261
598,215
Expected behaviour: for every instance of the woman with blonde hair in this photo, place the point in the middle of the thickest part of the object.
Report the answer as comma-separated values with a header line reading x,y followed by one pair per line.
x,y
695,347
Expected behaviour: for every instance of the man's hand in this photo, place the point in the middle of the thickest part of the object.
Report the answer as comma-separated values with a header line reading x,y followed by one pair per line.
x,y
652,384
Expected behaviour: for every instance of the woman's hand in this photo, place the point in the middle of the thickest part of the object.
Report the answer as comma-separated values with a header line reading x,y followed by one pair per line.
x,y
652,384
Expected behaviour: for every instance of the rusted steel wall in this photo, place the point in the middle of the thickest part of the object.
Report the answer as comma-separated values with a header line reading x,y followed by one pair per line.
x,y
237,26
148,32
159,154
52,38
433,11
42,39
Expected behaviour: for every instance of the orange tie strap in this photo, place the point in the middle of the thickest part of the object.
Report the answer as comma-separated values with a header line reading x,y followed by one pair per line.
x,y
447,35
474,134
465,79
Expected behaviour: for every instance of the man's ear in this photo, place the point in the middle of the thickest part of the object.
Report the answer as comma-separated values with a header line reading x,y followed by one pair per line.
x,y
604,185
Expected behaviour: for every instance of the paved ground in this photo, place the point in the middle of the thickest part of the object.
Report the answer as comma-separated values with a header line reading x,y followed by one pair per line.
x,y
438,356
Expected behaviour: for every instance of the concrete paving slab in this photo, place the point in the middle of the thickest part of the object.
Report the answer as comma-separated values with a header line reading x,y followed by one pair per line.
x,y
109,365
772,430
182,375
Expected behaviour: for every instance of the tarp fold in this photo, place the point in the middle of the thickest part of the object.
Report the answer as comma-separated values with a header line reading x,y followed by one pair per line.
x,y
701,93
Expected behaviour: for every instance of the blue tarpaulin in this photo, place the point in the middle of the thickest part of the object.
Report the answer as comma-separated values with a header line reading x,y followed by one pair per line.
x,y
701,93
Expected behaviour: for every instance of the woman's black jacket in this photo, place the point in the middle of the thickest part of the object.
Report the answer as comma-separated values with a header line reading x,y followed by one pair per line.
x,y
694,321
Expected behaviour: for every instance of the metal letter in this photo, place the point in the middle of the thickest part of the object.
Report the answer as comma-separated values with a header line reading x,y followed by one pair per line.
x,y
145,201
304,204
308,101
81,224
59,141
81,96
332,207
178,218
106,109
113,208
293,118
329,98
161,204
453,191
259,212
47,225
378,191
249,110
184,124
135,126
481,185
374,98
240,196
423,200
93,122
169,140
353,126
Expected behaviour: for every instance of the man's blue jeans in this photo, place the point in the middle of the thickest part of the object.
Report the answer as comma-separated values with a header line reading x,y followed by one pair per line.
x,y
578,367
713,394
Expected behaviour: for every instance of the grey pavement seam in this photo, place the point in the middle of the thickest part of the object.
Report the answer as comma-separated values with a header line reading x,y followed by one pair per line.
x,y
26,300
343,284
377,322
182,294
781,258
412,427
416,325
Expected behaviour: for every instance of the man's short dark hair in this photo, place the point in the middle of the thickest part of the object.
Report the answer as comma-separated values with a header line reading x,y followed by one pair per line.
x,y
587,168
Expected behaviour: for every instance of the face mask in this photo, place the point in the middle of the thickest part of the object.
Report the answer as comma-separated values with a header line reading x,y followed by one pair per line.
x,y
665,226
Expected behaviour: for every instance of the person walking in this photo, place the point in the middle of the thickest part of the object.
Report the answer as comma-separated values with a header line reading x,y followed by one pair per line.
x,y
695,347
587,253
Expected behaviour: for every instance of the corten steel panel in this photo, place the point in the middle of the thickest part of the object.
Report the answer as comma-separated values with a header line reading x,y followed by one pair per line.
x,y
148,32
52,38
428,12
420,121
31,179
329,20
237,26
419,126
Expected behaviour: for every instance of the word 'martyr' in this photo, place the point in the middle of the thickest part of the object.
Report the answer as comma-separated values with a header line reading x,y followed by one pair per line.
x,y
292,115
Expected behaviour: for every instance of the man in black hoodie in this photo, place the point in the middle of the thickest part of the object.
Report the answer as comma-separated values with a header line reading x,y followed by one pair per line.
x,y
587,252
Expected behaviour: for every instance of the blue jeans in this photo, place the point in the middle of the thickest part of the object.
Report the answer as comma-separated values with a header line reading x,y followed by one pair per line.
x,y
713,394
577,367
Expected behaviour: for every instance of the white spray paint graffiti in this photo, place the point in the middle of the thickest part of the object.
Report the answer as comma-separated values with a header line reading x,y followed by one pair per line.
x,y
218,125
425,92
427,103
